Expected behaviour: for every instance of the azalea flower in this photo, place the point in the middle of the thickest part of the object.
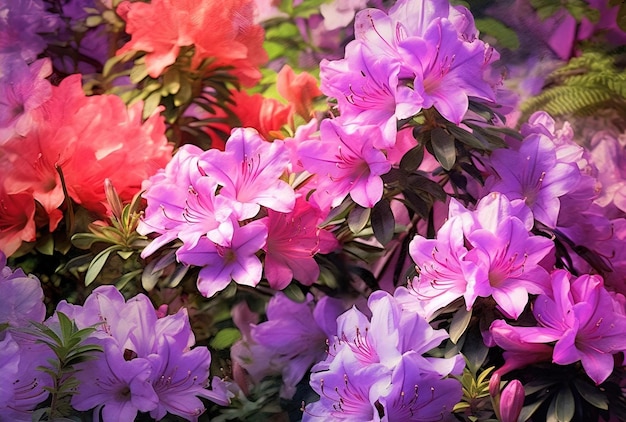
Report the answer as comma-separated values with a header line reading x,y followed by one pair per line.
x,y
118,139
23,90
293,239
233,41
22,298
291,340
248,173
346,163
376,363
117,387
368,91
234,260
579,317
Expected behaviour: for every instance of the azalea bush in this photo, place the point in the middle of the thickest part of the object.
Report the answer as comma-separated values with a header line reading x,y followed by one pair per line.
x,y
313,210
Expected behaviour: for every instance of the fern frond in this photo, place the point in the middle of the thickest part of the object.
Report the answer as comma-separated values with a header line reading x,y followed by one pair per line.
x,y
583,86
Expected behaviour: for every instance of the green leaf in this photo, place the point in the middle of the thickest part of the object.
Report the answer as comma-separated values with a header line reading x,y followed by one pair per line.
x,y
358,218
225,338
592,394
443,147
383,222
293,292
98,262
412,159
505,36
460,322
151,103
562,407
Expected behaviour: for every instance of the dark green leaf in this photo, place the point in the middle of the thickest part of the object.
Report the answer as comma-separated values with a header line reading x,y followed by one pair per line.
x,y
412,159
562,407
443,147
592,394
358,218
293,292
383,222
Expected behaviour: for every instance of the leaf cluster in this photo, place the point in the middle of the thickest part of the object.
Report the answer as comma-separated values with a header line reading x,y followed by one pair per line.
x,y
70,348
585,85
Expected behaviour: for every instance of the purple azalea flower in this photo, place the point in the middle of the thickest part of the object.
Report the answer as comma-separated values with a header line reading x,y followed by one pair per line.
x,y
23,89
178,377
249,172
346,394
368,91
416,396
22,297
377,363
235,260
347,163
286,259
22,22
9,364
148,364
28,386
535,175
118,387
291,340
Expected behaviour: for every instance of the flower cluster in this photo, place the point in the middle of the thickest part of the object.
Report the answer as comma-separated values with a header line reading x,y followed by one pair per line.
x,y
328,210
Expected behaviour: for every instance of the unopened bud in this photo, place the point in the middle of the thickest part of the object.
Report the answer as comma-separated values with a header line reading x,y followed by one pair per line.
x,y
511,401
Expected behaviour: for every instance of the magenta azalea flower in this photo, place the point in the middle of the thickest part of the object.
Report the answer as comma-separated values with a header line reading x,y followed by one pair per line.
x,y
368,91
447,69
579,316
235,260
506,256
249,172
442,272
292,241
347,163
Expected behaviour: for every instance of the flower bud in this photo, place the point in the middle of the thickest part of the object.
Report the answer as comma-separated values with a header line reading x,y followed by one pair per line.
x,y
511,401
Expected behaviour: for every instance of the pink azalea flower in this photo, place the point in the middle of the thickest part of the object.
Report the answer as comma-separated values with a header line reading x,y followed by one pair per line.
x,y
292,241
118,139
347,163
506,255
235,260
518,352
249,172
17,213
